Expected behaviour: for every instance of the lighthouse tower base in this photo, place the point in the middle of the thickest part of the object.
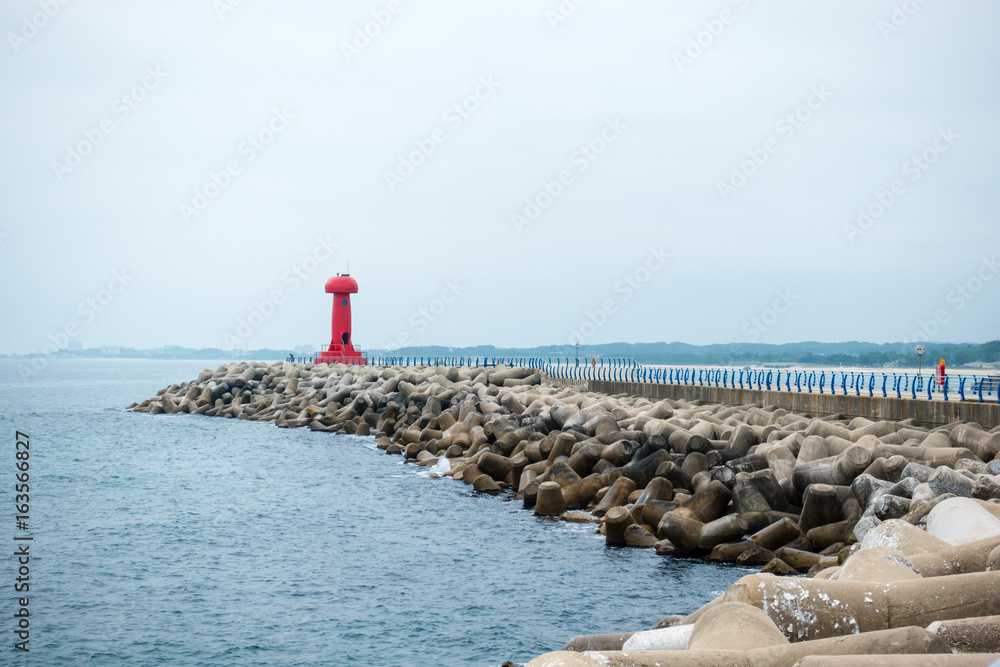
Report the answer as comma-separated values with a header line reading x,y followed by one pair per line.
x,y
341,354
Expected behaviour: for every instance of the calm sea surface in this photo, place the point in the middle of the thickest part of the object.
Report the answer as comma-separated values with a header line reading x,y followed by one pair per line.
x,y
190,540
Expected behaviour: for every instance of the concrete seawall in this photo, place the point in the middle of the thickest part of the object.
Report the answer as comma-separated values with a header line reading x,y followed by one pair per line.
x,y
929,413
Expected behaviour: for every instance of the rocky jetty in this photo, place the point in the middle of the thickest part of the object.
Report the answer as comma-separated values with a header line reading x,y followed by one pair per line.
x,y
896,525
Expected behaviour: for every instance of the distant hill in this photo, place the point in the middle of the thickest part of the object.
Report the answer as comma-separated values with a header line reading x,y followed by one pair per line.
x,y
811,353
165,352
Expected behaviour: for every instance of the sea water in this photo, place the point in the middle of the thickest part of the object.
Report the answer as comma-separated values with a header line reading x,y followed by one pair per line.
x,y
192,540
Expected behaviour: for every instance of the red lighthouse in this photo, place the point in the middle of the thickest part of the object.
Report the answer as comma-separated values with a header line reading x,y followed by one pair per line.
x,y
341,348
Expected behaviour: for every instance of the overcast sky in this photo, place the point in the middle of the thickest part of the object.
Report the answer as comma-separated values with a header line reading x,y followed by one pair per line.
x,y
512,173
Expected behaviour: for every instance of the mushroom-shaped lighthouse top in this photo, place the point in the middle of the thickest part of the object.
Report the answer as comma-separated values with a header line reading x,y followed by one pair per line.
x,y
342,285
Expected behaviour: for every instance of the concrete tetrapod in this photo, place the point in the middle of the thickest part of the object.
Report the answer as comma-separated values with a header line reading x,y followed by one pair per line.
x,y
550,500
616,521
818,608
970,635
674,638
985,445
968,660
617,495
967,557
881,564
734,626
960,520
906,537
908,641
604,642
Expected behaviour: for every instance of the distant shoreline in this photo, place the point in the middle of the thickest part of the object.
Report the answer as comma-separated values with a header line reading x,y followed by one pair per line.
x,y
799,355
927,369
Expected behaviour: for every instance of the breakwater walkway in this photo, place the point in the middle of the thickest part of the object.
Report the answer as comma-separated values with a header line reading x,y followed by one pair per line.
x,y
868,394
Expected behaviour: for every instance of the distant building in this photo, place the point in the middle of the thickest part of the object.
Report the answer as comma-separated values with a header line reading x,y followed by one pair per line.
x,y
74,346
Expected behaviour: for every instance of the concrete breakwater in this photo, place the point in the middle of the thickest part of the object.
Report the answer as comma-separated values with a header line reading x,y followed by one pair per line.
x,y
876,408
897,524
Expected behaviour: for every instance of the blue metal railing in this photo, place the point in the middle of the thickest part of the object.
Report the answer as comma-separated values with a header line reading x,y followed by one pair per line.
x,y
970,387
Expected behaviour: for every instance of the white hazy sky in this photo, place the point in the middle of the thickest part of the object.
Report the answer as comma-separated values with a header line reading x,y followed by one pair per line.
x,y
93,184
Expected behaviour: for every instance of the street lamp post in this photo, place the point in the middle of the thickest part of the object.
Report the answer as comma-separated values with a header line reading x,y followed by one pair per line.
x,y
577,354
